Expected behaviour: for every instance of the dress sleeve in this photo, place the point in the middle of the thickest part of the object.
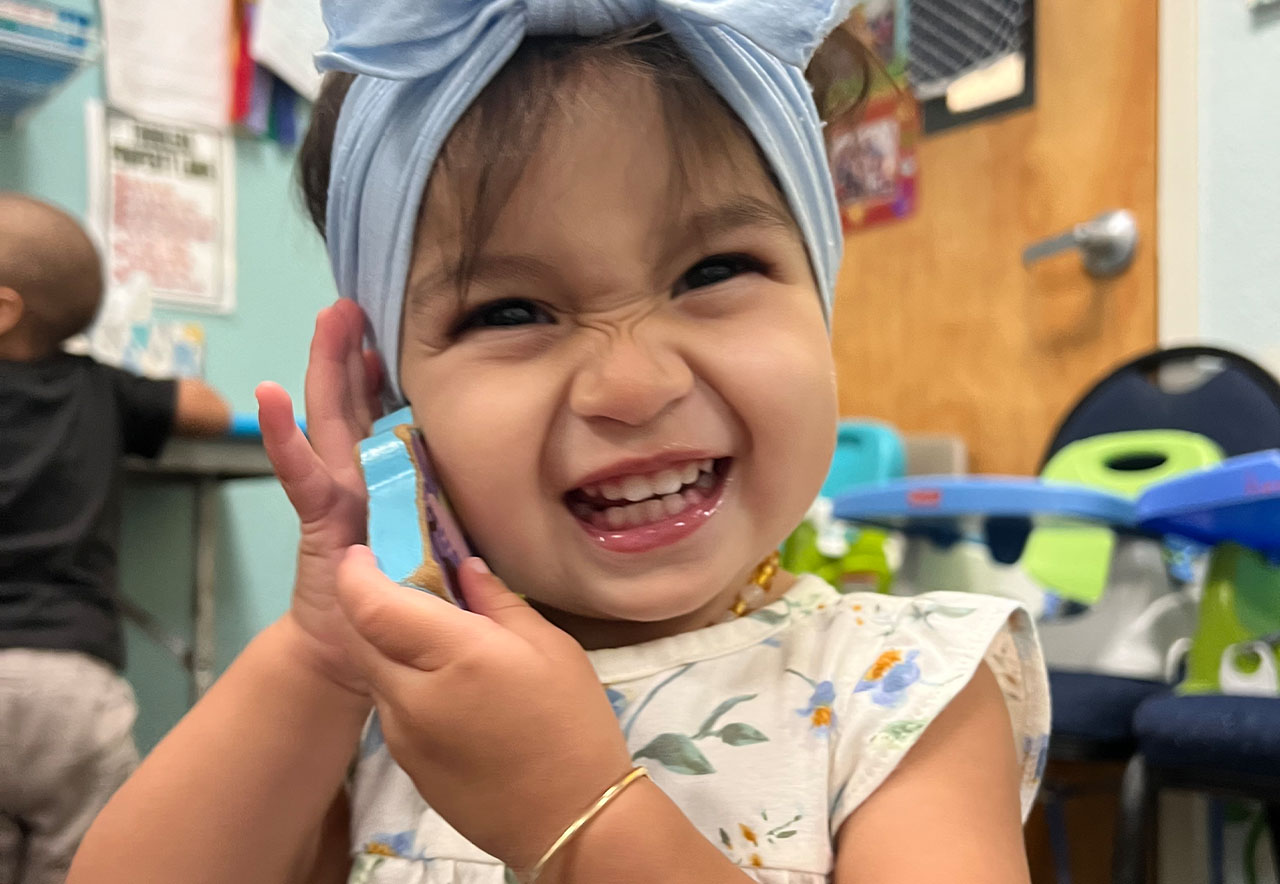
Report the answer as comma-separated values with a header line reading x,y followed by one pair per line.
x,y
929,648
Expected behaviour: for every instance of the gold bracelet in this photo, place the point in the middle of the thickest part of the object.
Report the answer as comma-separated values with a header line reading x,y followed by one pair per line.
x,y
576,826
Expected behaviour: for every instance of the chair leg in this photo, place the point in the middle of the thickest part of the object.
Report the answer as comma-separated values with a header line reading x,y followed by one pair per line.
x,y
1055,817
1217,823
1273,821
1136,826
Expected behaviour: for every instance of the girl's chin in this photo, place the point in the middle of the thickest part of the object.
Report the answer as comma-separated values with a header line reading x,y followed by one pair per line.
x,y
633,607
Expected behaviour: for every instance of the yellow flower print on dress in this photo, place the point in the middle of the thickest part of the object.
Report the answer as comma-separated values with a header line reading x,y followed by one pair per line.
x,y
758,839
883,664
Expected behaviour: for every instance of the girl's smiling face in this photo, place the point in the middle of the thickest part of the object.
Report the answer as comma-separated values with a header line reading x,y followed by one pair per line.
x,y
632,400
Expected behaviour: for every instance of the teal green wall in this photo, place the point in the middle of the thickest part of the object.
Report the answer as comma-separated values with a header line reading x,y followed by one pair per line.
x,y
283,279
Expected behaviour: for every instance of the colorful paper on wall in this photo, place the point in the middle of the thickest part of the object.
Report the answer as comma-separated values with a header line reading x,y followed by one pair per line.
x,y
166,211
286,36
125,334
873,157
169,59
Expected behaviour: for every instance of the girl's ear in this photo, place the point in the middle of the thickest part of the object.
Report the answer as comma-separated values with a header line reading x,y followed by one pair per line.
x,y
842,73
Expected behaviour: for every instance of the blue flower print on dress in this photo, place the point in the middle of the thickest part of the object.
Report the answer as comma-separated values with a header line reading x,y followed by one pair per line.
x,y
373,739
617,700
398,845
820,713
889,677
1037,747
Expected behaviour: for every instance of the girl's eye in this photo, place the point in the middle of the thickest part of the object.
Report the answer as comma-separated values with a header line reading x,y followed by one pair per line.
x,y
503,314
717,269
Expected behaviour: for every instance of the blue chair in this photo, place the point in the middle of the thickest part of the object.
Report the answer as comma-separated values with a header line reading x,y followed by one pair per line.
x,y
1222,396
866,452
1235,402
1220,745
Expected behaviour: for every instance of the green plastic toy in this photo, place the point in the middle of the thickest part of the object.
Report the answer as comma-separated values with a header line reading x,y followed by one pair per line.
x,y
1073,559
849,558
1234,648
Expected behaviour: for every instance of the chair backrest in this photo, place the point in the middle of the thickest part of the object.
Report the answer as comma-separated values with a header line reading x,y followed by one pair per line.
x,y
1230,399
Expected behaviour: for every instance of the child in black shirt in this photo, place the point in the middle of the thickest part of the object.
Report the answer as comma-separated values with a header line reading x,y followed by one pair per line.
x,y
66,422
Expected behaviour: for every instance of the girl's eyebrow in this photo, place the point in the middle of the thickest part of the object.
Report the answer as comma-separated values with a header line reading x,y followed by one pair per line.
x,y
741,211
485,267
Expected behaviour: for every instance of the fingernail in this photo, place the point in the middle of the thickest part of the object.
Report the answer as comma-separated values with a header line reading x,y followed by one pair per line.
x,y
477,564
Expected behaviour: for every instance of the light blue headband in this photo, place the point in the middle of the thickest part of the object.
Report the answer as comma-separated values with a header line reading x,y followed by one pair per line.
x,y
423,63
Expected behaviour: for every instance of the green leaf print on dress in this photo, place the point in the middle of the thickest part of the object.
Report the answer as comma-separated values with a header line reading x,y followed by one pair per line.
x,y
677,752
898,733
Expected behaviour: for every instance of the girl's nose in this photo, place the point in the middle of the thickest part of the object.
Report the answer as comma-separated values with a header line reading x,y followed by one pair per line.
x,y
629,381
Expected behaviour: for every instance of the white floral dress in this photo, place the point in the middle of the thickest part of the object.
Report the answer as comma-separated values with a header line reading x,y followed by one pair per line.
x,y
767,731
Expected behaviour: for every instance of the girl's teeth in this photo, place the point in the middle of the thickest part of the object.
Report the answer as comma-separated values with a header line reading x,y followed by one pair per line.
x,y
667,482
672,504
635,488
651,497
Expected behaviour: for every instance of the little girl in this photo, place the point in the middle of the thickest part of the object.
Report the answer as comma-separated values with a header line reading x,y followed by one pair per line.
x,y
594,243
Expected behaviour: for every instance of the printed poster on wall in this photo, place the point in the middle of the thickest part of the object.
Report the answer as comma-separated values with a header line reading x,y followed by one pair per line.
x,y
873,158
165,211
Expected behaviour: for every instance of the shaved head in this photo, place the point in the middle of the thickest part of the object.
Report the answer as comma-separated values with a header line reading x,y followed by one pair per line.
x,y
48,259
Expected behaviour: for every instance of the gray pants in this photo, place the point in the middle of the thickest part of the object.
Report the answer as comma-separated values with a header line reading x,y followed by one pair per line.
x,y
66,744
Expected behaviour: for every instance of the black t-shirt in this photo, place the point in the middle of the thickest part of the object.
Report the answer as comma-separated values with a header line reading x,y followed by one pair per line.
x,y
65,424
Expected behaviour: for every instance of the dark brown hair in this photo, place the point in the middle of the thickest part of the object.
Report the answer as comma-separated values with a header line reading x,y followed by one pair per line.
x,y
489,148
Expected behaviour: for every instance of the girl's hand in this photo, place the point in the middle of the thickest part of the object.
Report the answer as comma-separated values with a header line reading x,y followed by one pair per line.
x,y
322,478
495,714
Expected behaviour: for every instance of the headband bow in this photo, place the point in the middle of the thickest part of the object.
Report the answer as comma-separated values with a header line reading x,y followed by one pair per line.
x,y
423,62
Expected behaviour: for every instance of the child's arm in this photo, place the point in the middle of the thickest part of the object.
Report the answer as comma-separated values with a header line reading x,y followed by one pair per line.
x,y
504,728
200,410
238,791
951,810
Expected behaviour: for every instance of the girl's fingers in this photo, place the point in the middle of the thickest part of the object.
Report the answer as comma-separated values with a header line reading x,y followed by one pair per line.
x,y
328,386
406,627
354,401
373,384
303,476
488,595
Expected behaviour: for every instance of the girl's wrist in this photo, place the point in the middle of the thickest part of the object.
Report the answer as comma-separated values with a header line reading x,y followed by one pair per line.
x,y
295,644
642,836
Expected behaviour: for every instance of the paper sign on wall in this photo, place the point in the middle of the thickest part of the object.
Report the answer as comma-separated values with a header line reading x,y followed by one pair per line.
x,y
165,211
286,36
169,59
873,156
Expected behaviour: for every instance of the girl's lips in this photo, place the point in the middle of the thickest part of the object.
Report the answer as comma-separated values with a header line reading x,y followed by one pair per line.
x,y
701,505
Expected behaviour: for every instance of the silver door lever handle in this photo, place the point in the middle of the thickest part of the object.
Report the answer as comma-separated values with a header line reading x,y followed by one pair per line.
x,y
1106,244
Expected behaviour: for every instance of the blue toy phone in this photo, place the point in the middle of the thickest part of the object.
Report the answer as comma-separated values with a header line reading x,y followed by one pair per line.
x,y
406,505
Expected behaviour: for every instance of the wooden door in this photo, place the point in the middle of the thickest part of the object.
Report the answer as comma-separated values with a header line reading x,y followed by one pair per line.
x,y
938,327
